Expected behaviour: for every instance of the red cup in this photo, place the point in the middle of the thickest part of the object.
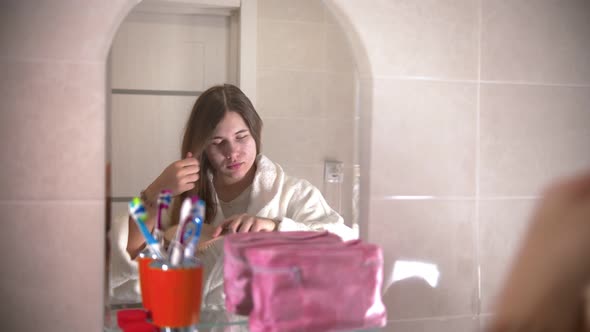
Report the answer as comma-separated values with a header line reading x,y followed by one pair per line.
x,y
175,293
126,316
143,260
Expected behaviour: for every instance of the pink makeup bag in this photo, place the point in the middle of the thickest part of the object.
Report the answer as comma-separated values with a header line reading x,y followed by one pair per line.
x,y
236,271
317,287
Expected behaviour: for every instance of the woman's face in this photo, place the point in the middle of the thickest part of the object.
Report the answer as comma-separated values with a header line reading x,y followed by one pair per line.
x,y
231,149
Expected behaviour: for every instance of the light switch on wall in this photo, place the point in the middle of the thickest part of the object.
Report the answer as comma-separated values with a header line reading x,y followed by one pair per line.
x,y
333,171
333,178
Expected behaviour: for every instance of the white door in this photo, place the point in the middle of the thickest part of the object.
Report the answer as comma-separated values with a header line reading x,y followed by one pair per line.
x,y
159,63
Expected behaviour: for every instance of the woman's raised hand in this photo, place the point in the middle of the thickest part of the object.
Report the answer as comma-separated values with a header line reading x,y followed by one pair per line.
x,y
180,176
243,223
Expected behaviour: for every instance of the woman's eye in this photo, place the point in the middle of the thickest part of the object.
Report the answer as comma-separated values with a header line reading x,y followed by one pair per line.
x,y
216,142
242,137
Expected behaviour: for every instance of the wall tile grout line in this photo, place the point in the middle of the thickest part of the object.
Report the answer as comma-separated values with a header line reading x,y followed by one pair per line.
x,y
26,201
64,61
478,81
476,221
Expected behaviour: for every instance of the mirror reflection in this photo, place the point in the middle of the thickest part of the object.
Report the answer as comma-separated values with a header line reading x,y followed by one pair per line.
x,y
282,158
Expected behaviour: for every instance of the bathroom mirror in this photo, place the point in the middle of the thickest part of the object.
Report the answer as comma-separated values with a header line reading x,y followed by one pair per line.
x,y
166,53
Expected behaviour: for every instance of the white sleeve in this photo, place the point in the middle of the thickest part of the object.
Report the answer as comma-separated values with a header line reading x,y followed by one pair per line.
x,y
308,210
123,273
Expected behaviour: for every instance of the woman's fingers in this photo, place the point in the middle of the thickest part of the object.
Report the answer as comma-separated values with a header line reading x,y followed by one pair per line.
x,y
238,223
187,182
192,169
264,225
218,230
180,176
188,174
577,186
234,225
192,178
246,223
187,162
187,186
226,225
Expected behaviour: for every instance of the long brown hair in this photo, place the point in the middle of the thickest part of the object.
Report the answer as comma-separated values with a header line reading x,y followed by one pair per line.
x,y
208,110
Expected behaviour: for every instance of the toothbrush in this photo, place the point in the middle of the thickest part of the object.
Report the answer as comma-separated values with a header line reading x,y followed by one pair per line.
x,y
198,220
191,226
186,215
139,215
164,200
189,233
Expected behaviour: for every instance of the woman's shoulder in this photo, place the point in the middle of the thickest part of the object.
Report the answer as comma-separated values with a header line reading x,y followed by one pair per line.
x,y
266,165
298,183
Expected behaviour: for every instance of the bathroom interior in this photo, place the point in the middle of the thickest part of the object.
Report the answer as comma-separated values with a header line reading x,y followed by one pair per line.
x,y
444,121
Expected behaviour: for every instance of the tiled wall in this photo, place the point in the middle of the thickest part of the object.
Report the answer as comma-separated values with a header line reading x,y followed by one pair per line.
x,y
306,94
476,106
52,169
506,81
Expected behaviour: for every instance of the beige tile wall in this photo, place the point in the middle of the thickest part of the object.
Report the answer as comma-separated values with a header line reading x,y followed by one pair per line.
x,y
530,134
543,42
418,230
306,92
475,106
52,141
501,223
423,120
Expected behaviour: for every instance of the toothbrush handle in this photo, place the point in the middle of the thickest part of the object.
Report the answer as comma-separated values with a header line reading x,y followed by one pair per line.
x,y
159,236
191,248
149,238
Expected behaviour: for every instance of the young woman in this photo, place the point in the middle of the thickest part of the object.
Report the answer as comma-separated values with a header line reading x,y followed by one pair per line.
x,y
244,191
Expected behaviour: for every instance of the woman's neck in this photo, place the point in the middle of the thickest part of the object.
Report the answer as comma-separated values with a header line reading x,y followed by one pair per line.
x,y
228,191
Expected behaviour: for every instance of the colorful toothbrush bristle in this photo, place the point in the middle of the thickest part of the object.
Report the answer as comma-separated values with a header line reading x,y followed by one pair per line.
x,y
139,214
165,199
137,210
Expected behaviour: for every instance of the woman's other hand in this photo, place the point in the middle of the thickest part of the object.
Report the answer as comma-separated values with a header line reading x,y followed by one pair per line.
x,y
244,223
558,239
178,177
544,289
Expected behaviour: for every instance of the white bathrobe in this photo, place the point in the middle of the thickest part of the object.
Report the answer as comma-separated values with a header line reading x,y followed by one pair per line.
x,y
295,202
